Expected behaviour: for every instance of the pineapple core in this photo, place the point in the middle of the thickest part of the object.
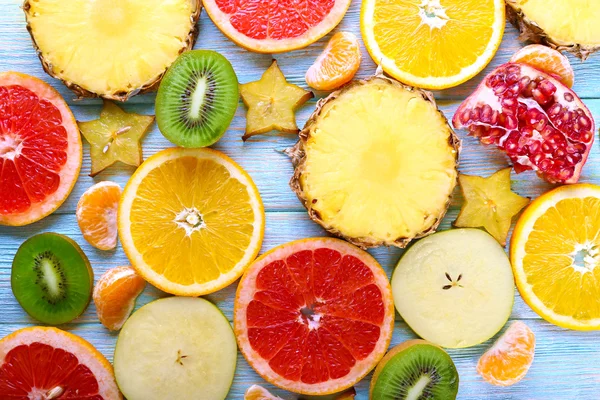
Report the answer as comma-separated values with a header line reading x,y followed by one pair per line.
x,y
380,164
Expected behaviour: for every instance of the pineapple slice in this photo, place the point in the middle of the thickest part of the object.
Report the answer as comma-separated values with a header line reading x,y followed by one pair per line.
x,y
111,48
376,163
570,25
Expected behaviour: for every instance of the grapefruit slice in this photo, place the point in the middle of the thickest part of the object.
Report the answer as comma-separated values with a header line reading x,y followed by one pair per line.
x,y
40,149
314,316
275,26
48,363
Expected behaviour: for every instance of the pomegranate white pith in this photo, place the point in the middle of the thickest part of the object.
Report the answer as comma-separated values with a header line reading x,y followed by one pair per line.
x,y
541,124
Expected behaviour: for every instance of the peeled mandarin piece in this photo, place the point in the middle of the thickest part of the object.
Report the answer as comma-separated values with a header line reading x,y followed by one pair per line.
x,y
548,60
489,204
257,392
337,64
115,295
509,359
97,214
115,136
271,103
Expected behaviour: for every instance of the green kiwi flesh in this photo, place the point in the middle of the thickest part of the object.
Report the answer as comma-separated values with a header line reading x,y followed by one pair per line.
x,y
52,278
419,372
197,99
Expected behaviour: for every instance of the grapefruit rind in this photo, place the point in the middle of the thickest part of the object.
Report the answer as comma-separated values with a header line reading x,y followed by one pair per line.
x,y
247,289
69,172
222,21
82,349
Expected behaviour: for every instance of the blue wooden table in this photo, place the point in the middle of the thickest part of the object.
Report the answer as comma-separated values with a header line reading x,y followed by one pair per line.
x,y
567,363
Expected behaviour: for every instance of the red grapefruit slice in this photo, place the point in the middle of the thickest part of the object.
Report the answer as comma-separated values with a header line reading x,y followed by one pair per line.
x,y
48,363
40,149
314,316
276,26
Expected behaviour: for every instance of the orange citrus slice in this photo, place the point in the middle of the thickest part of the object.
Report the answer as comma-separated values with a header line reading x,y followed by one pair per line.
x,y
65,367
432,44
547,60
191,221
314,316
337,64
275,26
115,294
509,359
97,214
555,256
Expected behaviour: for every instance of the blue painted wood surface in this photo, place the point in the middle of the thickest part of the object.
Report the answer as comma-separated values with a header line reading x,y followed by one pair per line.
x,y
567,363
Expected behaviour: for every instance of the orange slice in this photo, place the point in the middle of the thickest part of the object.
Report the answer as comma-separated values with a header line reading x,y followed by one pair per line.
x,y
509,359
65,367
97,214
546,60
115,294
432,44
276,26
337,64
314,316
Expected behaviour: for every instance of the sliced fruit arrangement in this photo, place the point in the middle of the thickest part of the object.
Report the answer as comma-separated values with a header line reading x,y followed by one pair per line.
x,y
115,294
432,44
48,363
509,359
555,257
39,140
176,348
415,369
454,288
569,25
540,123
200,202
274,27
314,316
350,169
337,64
271,103
81,43
52,278
489,204
97,214
115,136
197,99
547,60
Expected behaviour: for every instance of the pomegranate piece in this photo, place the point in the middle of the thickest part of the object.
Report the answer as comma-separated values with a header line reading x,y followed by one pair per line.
x,y
540,123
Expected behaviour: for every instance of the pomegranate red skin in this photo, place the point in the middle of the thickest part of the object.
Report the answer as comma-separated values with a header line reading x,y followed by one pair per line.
x,y
537,121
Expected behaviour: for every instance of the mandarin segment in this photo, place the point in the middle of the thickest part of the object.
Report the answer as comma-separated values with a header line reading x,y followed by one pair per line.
x,y
548,60
337,64
97,214
115,294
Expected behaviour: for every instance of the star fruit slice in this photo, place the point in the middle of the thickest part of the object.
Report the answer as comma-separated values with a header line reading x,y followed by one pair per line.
x,y
271,103
489,204
115,136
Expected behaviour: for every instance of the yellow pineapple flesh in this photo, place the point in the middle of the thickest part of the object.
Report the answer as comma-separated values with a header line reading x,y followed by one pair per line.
x,y
376,163
111,48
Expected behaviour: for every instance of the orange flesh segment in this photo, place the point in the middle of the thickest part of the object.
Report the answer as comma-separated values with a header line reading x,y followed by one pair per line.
x,y
97,215
338,63
547,60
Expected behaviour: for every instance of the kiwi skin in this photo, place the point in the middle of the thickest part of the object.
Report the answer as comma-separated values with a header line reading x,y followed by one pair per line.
x,y
393,352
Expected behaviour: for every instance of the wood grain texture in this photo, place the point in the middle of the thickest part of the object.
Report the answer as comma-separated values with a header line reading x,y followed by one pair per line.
x,y
566,363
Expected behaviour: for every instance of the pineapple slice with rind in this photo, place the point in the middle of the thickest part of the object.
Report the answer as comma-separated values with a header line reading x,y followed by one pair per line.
x,y
111,48
570,25
376,163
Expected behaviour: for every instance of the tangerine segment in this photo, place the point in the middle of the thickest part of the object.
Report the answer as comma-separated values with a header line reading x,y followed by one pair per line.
x,y
509,359
432,44
275,26
40,149
190,221
97,214
40,361
115,294
547,60
555,257
338,63
314,316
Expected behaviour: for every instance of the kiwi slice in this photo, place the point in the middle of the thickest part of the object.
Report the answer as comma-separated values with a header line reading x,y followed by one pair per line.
x,y
52,278
415,370
197,99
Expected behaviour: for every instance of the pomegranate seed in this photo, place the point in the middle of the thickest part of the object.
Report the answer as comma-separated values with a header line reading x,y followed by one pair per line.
x,y
498,90
495,115
540,97
511,122
475,114
534,147
513,69
587,136
464,116
547,88
554,110
565,174
584,122
486,114
559,153
569,97
509,102
523,82
546,147
545,164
